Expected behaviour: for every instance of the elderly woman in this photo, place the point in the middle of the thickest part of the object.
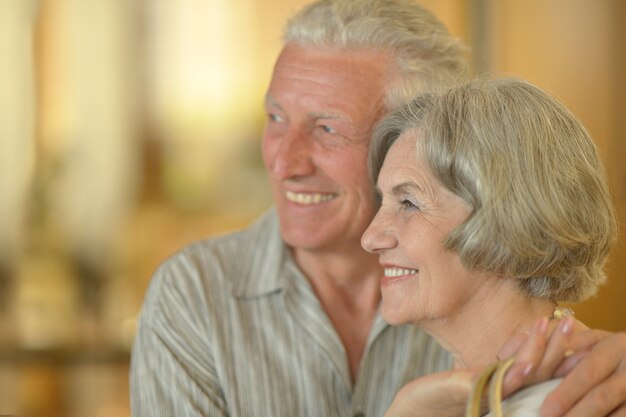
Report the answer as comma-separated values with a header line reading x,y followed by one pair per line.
x,y
494,208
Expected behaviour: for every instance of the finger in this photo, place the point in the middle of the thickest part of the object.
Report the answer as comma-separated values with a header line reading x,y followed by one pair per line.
x,y
581,344
587,339
569,363
599,402
516,378
523,374
620,412
599,377
527,359
558,345
533,349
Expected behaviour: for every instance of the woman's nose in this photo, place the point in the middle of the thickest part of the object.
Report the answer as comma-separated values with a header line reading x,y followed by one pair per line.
x,y
379,236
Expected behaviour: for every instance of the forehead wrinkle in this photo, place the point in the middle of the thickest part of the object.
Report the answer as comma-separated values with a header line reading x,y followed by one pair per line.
x,y
328,82
302,71
315,76
403,187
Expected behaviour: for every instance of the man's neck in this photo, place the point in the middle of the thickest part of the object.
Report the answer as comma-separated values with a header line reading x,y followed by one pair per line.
x,y
347,285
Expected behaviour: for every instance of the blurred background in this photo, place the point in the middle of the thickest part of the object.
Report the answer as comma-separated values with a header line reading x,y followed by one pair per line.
x,y
129,128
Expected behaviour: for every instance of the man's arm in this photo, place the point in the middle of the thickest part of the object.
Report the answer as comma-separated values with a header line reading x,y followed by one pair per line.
x,y
172,372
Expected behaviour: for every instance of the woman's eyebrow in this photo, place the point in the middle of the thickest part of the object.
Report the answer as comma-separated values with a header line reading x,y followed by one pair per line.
x,y
405,187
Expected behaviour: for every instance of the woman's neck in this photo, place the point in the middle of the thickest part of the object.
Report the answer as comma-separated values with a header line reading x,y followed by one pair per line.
x,y
477,330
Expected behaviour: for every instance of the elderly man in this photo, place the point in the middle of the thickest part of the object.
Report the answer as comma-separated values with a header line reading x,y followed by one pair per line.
x,y
282,319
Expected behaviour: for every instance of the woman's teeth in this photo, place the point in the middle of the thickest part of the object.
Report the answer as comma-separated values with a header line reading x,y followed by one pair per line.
x,y
398,272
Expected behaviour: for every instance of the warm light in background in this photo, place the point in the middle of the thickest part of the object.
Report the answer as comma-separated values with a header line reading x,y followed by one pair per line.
x,y
17,127
129,128
87,121
204,94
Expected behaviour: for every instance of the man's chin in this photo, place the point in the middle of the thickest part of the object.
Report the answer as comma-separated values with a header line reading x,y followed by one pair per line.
x,y
313,237
302,240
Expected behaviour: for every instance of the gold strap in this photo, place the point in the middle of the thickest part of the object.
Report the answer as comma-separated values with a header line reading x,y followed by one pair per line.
x,y
495,387
473,402
494,372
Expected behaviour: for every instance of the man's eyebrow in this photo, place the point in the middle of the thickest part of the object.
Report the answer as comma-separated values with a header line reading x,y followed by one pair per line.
x,y
271,101
317,115
327,115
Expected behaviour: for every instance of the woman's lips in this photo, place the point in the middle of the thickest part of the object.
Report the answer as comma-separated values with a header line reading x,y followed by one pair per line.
x,y
394,275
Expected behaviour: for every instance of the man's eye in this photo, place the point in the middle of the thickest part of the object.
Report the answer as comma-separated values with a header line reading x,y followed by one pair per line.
x,y
328,129
274,117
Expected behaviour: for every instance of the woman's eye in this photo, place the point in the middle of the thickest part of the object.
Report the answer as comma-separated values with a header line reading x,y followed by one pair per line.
x,y
408,204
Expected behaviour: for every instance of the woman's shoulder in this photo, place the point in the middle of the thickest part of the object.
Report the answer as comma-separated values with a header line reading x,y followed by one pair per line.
x,y
527,402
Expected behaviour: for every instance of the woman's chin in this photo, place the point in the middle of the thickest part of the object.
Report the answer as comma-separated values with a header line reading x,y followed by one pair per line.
x,y
395,316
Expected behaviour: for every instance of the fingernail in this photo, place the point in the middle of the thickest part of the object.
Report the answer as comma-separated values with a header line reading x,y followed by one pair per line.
x,y
527,369
567,325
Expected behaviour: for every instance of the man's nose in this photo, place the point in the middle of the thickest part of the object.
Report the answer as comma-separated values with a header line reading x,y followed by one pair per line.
x,y
379,236
293,156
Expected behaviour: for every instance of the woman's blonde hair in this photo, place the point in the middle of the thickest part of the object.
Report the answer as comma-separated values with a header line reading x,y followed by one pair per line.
x,y
531,173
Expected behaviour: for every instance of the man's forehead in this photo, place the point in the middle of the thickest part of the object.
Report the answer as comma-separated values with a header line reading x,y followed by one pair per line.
x,y
351,64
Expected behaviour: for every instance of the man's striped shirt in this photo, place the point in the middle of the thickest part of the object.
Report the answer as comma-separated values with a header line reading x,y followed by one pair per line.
x,y
231,327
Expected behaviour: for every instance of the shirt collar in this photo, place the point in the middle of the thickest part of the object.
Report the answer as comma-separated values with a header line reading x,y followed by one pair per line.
x,y
266,273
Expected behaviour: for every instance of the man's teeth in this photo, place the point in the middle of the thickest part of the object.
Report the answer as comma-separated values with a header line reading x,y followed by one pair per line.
x,y
308,198
398,272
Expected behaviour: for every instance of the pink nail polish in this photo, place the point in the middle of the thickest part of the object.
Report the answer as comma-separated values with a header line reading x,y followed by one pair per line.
x,y
567,325
527,369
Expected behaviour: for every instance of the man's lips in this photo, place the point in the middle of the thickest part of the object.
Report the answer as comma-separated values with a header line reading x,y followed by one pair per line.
x,y
309,198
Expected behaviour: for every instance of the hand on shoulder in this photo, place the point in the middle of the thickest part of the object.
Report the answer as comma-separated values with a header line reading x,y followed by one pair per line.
x,y
443,394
